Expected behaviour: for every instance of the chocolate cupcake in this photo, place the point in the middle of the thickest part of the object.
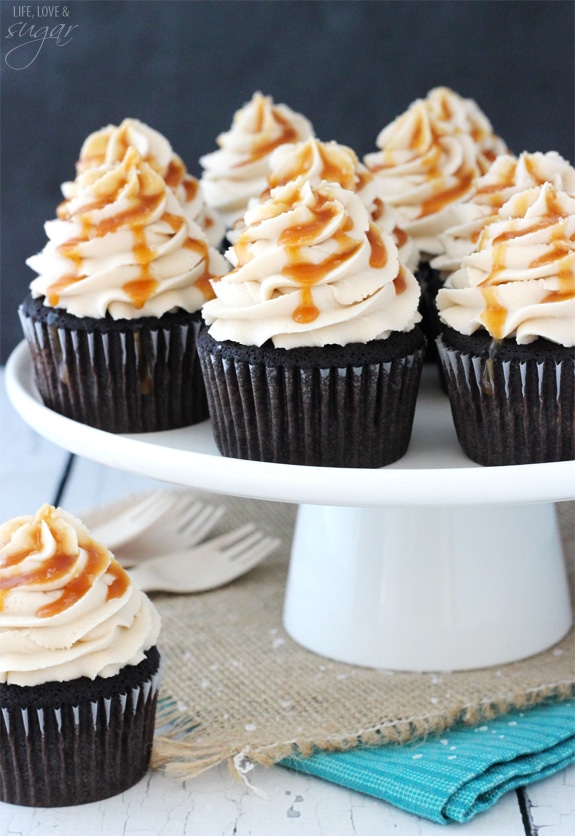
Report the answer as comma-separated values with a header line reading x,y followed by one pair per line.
x,y
507,343
313,354
79,666
113,316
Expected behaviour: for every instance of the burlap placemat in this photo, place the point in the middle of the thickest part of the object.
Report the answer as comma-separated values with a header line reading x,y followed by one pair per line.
x,y
236,688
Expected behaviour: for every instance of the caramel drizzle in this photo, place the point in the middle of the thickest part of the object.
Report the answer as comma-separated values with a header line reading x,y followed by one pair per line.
x,y
139,290
331,170
560,251
58,566
307,274
288,134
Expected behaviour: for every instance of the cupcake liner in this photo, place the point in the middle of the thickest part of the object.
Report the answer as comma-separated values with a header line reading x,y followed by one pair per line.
x,y
75,752
511,409
141,377
430,283
282,408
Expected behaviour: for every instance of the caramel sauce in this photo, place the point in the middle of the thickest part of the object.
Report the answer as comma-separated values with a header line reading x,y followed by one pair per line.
x,y
306,311
400,236
400,283
444,198
497,267
288,134
378,209
191,186
308,274
140,290
542,223
303,235
495,314
203,282
54,292
58,566
175,173
378,256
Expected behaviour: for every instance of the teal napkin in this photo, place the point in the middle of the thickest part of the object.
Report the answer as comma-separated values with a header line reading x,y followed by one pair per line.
x,y
464,771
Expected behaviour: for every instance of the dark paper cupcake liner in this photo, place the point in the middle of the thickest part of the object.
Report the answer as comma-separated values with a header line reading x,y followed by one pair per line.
x,y
122,376
510,404
350,406
430,283
61,745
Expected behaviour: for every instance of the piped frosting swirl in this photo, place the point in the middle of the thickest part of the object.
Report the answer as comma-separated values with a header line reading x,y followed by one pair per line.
x,y
428,159
520,282
108,146
238,170
311,269
121,245
67,607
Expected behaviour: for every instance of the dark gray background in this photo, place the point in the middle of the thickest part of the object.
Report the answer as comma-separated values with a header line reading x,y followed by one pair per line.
x,y
186,67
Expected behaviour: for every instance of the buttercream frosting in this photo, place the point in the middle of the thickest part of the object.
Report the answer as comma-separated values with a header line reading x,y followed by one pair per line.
x,y
122,245
520,282
427,161
109,145
311,269
67,607
238,170
316,161
506,176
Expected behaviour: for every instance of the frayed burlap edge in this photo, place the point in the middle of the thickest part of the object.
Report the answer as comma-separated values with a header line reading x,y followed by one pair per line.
x,y
179,757
229,662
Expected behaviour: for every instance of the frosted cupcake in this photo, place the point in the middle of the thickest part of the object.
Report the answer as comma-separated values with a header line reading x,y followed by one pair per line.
x,y
79,666
507,342
313,354
109,145
238,170
113,315
508,175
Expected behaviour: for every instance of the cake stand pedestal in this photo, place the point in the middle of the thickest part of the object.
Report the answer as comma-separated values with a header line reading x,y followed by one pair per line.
x,y
414,588
432,563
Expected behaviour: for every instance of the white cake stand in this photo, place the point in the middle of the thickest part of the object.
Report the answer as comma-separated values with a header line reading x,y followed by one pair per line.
x,y
432,563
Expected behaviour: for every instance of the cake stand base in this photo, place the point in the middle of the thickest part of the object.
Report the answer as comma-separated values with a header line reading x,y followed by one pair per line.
x,y
427,588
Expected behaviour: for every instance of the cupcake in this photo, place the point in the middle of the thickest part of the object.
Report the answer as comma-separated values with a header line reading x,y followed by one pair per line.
x,y
427,162
79,666
313,354
507,344
113,315
506,176
109,145
238,170
316,161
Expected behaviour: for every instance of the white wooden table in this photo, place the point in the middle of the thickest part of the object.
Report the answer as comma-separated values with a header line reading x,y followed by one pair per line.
x,y
33,471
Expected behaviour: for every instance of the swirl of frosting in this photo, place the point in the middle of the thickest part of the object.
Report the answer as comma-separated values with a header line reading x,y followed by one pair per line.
x,y
428,160
311,269
67,607
109,145
507,176
238,170
520,282
121,245
335,163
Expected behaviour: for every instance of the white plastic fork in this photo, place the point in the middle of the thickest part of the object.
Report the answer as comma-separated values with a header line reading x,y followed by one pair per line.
x,y
130,520
213,564
148,524
187,523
